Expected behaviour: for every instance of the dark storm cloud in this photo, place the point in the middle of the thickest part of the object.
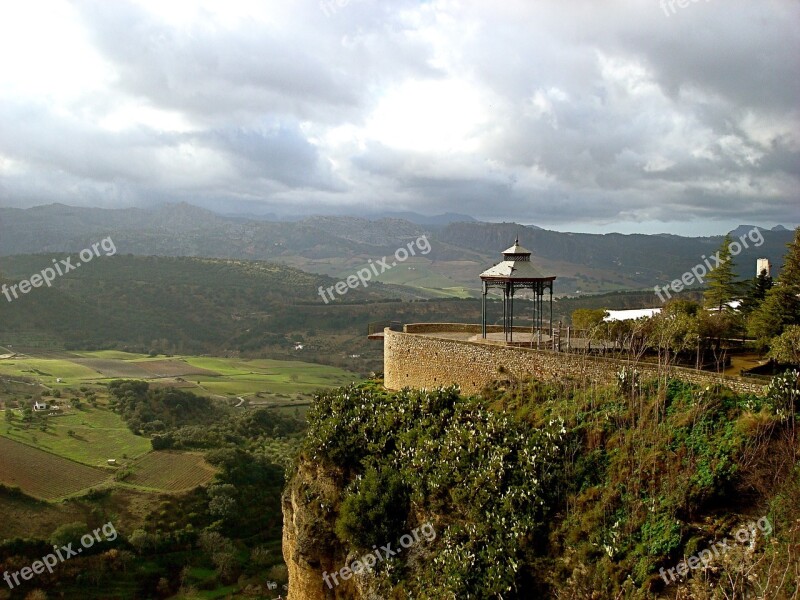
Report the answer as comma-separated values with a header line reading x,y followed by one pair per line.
x,y
276,152
254,69
589,112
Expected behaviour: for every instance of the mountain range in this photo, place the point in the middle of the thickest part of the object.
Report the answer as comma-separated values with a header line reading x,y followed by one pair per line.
x,y
461,247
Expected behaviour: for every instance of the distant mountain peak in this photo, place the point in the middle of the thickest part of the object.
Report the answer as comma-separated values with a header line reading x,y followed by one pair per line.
x,y
744,229
443,219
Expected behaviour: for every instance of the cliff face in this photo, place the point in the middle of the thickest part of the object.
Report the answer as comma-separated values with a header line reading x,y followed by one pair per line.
x,y
494,490
310,548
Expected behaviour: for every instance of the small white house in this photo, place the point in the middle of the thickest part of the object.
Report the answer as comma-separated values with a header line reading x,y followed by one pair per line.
x,y
633,314
40,406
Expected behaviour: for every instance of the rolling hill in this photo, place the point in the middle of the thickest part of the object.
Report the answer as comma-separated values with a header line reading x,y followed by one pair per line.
x,y
336,245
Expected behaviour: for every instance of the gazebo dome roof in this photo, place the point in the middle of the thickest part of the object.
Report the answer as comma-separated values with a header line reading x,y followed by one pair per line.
x,y
516,249
516,266
514,270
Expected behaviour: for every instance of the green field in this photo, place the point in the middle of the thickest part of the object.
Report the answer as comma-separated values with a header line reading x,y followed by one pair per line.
x,y
418,273
46,370
44,475
171,471
269,377
263,381
67,450
97,435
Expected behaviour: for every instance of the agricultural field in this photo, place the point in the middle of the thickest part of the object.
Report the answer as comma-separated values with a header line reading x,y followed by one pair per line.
x,y
44,475
264,380
260,381
87,435
66,451
421,274
170,471
54,456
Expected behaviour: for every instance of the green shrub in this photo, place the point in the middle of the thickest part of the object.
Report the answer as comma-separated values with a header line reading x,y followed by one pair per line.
x,y
374,512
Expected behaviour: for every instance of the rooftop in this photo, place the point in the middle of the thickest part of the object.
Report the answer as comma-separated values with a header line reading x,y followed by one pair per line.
x,y
516,266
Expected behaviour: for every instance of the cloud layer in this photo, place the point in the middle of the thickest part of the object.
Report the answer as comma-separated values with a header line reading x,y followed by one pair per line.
x,y
566,114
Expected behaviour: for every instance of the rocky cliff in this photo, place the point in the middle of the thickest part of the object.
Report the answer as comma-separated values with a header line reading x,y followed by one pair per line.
x,y
310,548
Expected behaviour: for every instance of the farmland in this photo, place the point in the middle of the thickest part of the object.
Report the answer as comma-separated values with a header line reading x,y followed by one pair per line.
x,y
89,435
170,471
44,475
67,451
48,476
259,381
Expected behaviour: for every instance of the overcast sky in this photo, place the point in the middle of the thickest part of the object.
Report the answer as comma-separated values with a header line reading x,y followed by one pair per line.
x,y
579,115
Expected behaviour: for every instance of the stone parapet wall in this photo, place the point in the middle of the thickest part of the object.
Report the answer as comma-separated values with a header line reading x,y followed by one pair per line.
x,y
425,361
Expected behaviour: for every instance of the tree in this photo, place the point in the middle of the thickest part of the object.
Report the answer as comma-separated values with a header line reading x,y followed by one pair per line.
x,y
781,305
757,291
222,500
786,347
141,540
587,318
71,532
779,309
721,280
790,272
674,330
717,325
762,284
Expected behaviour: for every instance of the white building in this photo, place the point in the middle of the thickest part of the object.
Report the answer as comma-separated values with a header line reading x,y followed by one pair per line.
x,y
627,315
762,264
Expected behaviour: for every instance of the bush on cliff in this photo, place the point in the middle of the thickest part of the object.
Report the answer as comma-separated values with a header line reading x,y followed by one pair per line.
x,y
562,490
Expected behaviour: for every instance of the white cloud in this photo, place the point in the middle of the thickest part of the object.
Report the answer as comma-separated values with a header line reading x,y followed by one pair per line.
x,y
567,114
445,116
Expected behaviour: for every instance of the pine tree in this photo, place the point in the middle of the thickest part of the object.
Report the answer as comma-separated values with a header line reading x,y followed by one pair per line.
x,y
756,291
721,284
781,306
763,283
790,272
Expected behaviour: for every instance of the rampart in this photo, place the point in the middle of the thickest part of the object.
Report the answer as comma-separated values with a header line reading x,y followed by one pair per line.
x,y
423,356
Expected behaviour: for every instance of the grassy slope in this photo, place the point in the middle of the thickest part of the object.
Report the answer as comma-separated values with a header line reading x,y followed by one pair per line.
x,y
98,434
273,379
45,475
643,480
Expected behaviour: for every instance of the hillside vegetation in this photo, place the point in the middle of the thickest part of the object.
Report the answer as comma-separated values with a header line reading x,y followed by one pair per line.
x,y
186,306
556,490
209,525
336,246
192,306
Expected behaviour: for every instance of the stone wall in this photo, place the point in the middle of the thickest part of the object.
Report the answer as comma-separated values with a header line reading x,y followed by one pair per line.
x,y
426,361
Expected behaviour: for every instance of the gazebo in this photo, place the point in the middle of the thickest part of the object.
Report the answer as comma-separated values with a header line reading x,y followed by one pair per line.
x,y
516,272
